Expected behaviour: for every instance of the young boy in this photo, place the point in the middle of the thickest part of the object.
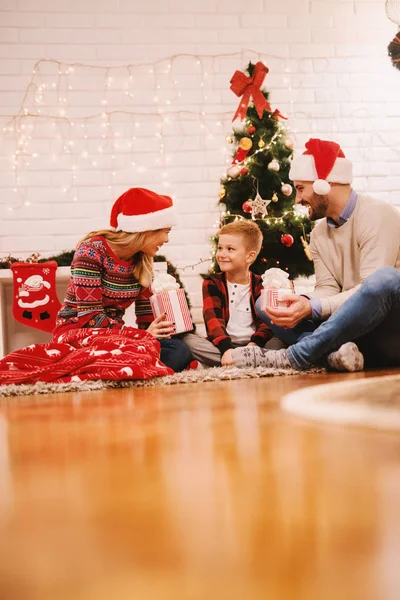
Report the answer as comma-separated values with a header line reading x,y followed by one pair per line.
x,y
229,298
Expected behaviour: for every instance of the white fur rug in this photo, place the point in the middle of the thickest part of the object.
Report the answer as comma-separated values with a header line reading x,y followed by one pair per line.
x,y
372,402
198,376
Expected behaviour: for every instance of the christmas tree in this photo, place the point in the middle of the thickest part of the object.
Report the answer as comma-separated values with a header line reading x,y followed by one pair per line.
x,y
257,184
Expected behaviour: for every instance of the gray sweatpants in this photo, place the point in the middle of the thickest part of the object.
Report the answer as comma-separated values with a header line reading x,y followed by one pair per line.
x,y
209,356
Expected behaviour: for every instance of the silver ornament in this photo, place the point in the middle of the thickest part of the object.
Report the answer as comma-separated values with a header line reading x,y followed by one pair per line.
x,y
392,8
289,143
234,171
274,166
286,189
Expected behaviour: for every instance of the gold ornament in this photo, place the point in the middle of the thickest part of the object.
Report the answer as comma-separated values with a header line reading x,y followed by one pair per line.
x,y
245,143
230,140
261,144
275,197
221,193
306,247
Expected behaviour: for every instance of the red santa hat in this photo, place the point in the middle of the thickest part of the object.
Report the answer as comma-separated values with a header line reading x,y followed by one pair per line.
x,y
139,209
321,163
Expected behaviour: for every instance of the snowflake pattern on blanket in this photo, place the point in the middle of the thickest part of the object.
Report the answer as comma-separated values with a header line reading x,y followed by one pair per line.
x,y
86,354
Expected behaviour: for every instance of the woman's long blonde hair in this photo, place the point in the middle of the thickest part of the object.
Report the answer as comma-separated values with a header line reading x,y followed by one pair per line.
x,y
130,244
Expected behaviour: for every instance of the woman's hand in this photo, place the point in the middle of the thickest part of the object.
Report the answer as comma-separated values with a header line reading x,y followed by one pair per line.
x,y
161,328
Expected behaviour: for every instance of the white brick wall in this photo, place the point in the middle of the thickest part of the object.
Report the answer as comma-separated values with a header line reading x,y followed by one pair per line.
x,y
328,70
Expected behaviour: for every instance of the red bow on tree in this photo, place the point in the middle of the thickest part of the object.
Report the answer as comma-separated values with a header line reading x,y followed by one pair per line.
x,y
278,115
245,86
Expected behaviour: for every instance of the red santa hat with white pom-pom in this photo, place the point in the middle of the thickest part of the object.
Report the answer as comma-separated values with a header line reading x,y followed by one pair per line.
x,y
139,210
322,163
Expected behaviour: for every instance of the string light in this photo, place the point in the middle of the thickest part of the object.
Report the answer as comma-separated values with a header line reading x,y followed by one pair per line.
x,y
47,100
226,216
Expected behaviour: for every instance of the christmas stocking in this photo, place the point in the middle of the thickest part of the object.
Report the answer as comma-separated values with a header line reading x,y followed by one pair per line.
x,y
35,298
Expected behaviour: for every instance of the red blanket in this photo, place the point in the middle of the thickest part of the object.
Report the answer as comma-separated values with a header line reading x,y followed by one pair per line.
x,y
82,354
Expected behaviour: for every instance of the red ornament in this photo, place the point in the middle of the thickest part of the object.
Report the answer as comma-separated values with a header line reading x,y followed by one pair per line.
x,y
287,240
246,207
244,171
251,129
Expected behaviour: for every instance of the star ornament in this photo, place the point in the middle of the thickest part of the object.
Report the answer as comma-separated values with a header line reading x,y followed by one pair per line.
x,y
259,206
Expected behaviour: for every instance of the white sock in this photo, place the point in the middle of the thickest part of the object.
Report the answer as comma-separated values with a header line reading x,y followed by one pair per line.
x,y
347,358
254,356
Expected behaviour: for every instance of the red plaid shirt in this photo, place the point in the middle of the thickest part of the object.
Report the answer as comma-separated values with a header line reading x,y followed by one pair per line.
x,y
216,311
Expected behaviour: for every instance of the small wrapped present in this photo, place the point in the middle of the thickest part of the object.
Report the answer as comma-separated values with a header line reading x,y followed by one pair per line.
x,y
169,298
276,285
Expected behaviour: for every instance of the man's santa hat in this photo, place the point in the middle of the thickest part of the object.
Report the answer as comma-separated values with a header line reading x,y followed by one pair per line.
x,y
139,210
321,163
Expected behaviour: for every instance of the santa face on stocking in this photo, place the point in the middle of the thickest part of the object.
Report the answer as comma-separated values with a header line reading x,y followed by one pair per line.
x,y
35,299
32,289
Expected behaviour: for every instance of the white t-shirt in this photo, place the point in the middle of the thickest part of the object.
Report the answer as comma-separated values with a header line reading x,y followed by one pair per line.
x,y
240,326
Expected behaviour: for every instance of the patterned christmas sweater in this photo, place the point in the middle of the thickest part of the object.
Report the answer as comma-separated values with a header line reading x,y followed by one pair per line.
x,y
101,288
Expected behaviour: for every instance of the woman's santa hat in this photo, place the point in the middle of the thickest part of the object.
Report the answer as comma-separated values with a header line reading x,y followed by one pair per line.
x,y
140,210
321,163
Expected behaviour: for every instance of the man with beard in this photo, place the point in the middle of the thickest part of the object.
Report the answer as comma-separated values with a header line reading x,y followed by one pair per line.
x,y
353,316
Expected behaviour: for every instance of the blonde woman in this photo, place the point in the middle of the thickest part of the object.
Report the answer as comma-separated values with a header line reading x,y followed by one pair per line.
x,y
112,269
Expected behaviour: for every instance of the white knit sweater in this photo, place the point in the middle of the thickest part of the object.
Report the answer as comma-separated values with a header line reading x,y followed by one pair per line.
x,y
346,255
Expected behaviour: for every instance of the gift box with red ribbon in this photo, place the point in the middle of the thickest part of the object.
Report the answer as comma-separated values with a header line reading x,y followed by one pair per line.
x,y
174,304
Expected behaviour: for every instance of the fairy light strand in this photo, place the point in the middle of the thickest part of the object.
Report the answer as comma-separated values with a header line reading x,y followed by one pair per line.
x,y
49,98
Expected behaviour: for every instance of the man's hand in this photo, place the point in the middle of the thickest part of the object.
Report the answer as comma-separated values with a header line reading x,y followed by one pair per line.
x,y
226,358
299,309
161,328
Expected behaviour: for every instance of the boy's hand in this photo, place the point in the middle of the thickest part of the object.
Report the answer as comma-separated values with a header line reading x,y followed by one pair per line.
x,y
251,344
299,309
226,358
161,328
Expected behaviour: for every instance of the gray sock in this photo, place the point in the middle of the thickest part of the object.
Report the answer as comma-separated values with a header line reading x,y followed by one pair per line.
x,y
253,356
347,358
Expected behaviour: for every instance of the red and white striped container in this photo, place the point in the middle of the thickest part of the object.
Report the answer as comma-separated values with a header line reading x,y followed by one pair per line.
x,y
272,298
174,304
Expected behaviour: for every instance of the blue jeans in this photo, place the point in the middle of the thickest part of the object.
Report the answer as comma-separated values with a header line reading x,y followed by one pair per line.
x,y
174,354
371,317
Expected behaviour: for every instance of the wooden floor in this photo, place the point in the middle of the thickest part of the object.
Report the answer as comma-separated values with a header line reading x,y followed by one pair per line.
x,y
196,492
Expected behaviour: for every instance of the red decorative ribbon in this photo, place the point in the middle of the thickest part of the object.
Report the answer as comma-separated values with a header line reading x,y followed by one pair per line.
x,y
278,115
240,156
245,86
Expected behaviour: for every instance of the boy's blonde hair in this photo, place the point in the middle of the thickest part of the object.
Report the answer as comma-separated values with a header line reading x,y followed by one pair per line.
x,y
131,243
248,230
